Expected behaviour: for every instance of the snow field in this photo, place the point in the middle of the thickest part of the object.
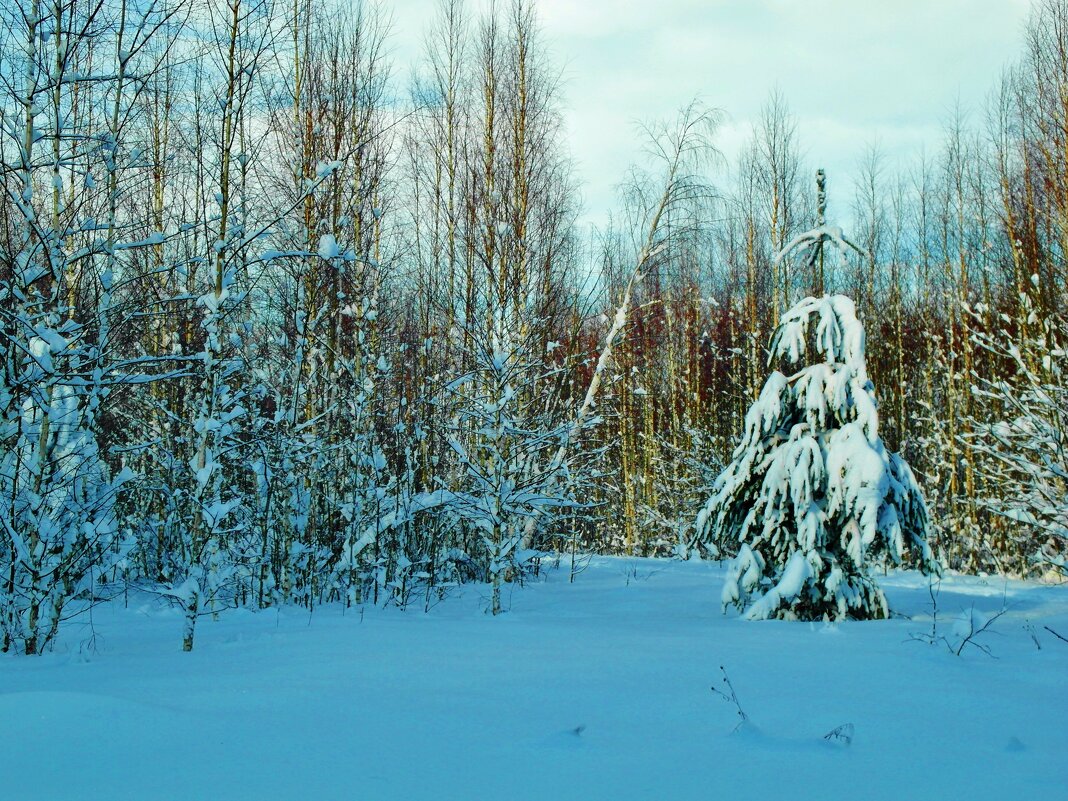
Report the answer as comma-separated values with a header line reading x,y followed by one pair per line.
x,y
594,690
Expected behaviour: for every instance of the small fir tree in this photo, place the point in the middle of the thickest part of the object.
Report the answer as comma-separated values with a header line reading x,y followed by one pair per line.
x,y
505,443
811,494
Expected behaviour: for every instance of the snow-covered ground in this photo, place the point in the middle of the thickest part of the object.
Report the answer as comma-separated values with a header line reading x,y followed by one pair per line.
x,y
593,690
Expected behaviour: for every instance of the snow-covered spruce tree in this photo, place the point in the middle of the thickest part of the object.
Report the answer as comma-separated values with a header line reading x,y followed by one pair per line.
x,y
811,493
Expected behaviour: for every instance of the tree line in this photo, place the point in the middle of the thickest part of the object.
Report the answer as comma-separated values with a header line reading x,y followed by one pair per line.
x,y
281,327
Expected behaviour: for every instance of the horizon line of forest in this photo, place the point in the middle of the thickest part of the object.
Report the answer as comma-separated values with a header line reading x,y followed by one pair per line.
x,y
271,337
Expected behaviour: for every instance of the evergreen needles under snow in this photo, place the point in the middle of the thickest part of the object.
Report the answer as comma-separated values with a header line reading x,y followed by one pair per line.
x,y
811,493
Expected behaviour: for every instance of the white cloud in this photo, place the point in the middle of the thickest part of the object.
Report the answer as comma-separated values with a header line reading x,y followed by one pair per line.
x,y
853,71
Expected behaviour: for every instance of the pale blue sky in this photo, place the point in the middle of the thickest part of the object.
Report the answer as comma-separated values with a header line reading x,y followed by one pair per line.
x,y
853,71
